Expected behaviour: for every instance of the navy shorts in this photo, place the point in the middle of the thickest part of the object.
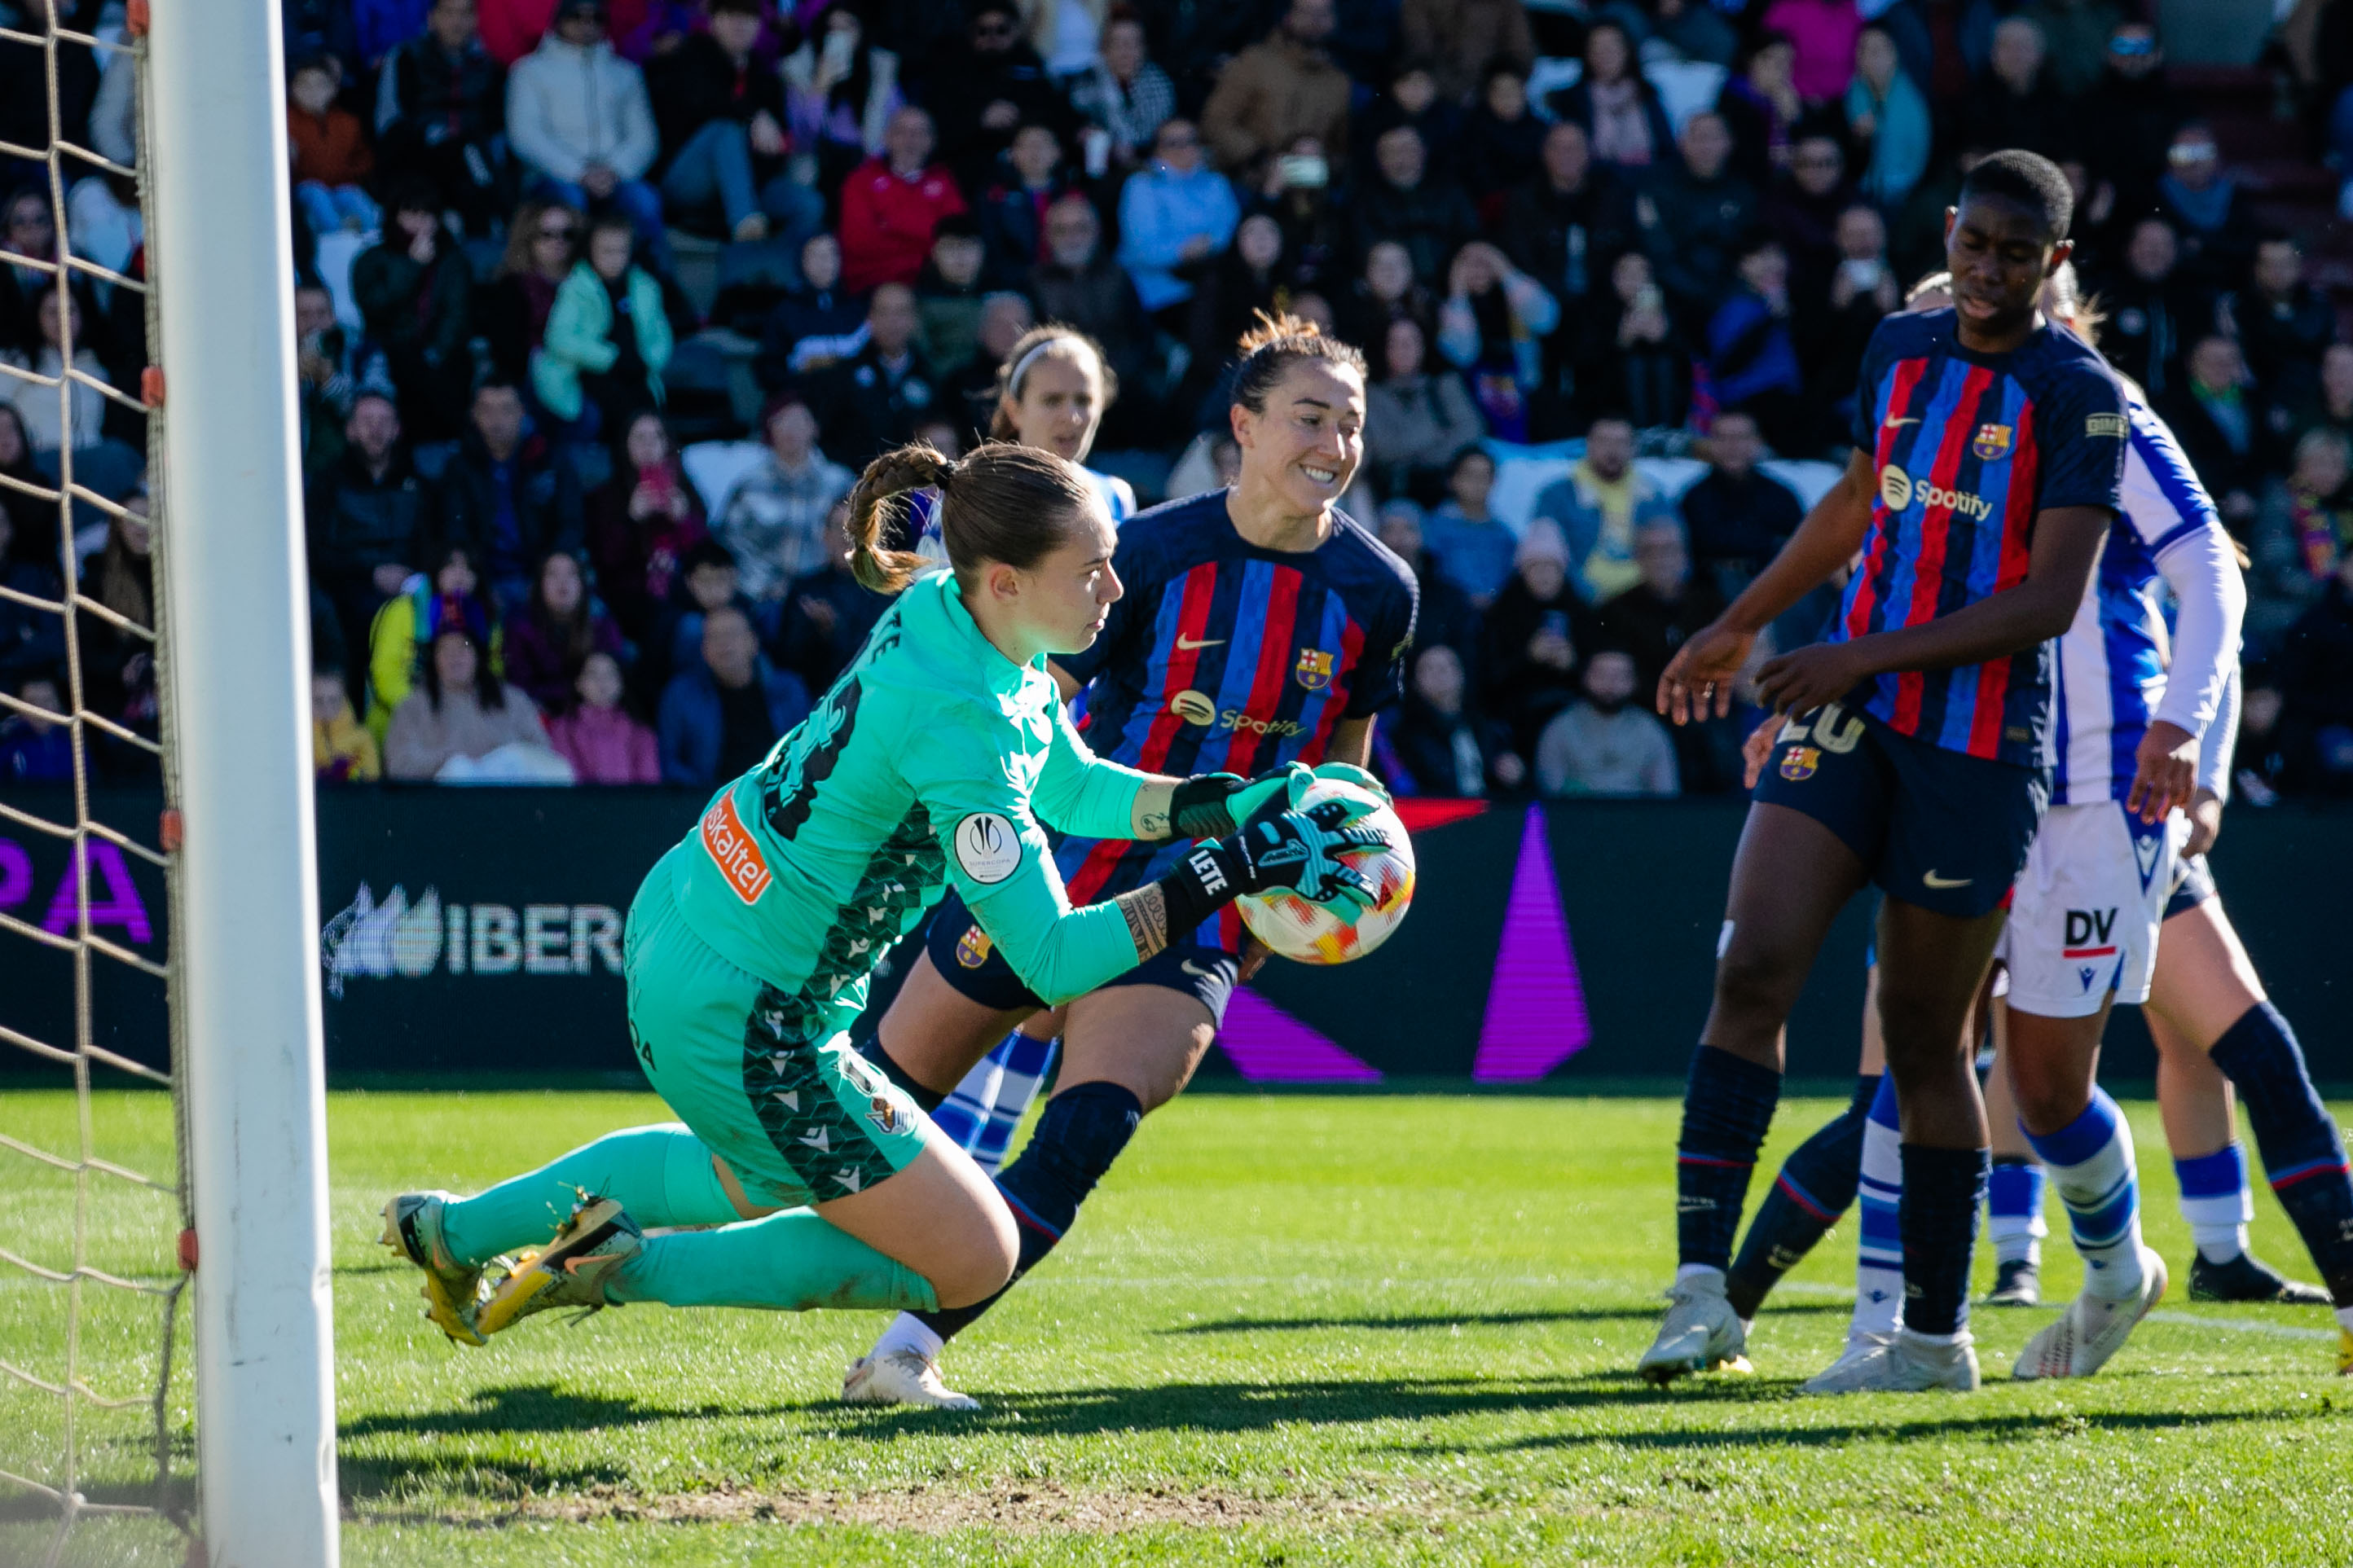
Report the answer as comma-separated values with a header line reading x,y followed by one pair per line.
x,y
2192,886
971,965
1937,828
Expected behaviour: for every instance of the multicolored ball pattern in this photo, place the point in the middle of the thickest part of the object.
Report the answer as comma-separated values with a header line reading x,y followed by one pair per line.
x,y
1304,931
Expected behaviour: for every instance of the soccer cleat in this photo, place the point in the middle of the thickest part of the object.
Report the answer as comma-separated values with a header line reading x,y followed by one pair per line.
x,y
2017,1282
453,1292
1900,1362
570,1271
2091,1329
2246,1278
1702,1333
901,1377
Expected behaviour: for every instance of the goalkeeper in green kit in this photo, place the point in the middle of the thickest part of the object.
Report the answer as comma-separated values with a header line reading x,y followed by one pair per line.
x,y
802,1176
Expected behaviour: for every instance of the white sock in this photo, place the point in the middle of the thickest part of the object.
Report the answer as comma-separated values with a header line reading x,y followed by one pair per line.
x,y
2019,1247
1879,1245
910,1332
2217,1200
2219,1243
2091,1165
1687,1272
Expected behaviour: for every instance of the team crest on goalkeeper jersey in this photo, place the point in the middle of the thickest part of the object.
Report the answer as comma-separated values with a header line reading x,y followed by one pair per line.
x,y
1313,669
1992,442
1799,762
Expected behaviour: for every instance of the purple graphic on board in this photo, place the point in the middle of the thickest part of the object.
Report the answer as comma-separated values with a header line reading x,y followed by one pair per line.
x,y
1269,1045
1535,1006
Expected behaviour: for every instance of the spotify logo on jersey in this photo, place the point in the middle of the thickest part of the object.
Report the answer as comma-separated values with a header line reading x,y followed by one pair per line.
x,y
1895,488
1194,708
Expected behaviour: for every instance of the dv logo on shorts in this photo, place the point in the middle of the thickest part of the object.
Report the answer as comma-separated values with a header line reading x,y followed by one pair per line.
x,y
972,948
2090,934
1797,765
987,848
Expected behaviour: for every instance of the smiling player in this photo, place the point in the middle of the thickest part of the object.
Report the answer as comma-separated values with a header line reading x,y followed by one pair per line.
x,y
1263,627
1989,456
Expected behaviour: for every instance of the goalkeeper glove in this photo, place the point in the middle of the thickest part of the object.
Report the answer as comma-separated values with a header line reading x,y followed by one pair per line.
x,y
1276,848
1211,806
1350,773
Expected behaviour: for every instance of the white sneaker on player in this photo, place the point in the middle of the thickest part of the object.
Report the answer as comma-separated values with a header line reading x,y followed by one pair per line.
x,y
1701,1333
1900,1362
2092,1330
901,1377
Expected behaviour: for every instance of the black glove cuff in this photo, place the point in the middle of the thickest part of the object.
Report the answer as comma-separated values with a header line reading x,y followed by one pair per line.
x,y
1196,807
1204,881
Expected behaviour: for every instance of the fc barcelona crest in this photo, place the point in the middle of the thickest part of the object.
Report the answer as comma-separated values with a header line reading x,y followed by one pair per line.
x,y
1799,762
1992,442
1314,669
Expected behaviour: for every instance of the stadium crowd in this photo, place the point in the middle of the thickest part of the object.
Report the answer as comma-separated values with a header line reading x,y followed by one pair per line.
x,y
603,304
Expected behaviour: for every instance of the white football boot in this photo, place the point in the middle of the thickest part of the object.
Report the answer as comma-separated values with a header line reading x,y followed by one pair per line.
x,y
2092,1330
1900,1362
901,1377
1701,1333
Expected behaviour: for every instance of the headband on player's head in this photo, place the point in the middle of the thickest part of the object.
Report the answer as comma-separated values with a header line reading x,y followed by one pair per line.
x,y
1021,366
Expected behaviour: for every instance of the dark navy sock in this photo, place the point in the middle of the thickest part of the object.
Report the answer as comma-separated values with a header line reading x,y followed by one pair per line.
x,y
928,1100
1816,1185
2302,1156
1079,1134
1727,1107
1943,1189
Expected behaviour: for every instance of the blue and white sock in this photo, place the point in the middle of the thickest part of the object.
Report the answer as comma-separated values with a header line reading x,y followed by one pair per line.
x,y
1878,1254
2014,1210
982,1111
2217,1200
2091,1164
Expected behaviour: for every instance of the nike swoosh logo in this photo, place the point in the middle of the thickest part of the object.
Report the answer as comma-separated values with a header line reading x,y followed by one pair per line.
x,y
1893,423
1934,880
1195,970
1187,645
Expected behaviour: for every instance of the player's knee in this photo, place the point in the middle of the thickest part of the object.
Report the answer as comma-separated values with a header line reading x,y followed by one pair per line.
x,y
1757,983
2048,1096
981,1266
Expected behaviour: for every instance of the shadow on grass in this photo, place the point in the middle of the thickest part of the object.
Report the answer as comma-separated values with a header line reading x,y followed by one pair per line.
x,y
542,1408
2007,1427
1465,1319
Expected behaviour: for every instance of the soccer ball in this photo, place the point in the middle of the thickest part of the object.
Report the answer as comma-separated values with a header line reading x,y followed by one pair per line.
x,y
1308,932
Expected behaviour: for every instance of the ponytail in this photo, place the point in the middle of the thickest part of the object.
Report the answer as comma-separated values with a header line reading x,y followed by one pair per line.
x,y
1003,502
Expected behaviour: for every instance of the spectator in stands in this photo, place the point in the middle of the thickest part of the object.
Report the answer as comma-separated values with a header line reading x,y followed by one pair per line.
x,y
2304,531
870,402
34,750
1386,291
720,109
608,337
1607,743
1126,95
2129,117
342,750
1278,90
1306,192
1502,140
987,86
440,114
1466,40
1012,212
1803,205
1752,361
513,28
2330,406
839,93
597,734
366,518
1759,109
1471,546
542,244
505,498
27,228
25,104
950,296
968,397
579,118
1417,419
1651,620
324,384
1737,516
1445,613
1624,123
642,521
1407,201
2154,310
1691,30
828,611
1491,328
415,292
2012,105
1564,227
2212,211
775,520
722,713
2076,33
1822,32
1697,218
554,632
2283,324
2216,423
1527,665
329,148
1639,359
118,665
448,592
1835,321
1174,214
1412,99
1082,284
37,406
1447,749
1599,508
891,202
463,725
814,325
1887,120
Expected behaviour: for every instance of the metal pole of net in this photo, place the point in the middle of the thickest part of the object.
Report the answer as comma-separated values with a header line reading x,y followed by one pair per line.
x,y
167,616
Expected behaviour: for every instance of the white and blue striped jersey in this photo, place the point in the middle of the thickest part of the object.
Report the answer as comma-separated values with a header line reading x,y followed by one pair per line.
x,y
1117,495
923,515
2113,673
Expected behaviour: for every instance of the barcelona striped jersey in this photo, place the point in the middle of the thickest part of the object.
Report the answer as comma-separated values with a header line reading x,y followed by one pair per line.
x,y
1968,448
1225,657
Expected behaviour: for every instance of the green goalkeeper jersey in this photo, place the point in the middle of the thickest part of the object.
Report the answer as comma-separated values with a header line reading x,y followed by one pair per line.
x,y
934,759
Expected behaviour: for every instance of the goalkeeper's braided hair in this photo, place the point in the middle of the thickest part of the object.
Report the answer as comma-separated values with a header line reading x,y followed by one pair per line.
x,y
1002,503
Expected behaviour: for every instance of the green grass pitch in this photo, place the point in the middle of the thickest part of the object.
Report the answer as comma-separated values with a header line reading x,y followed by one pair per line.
x,y
1290,1330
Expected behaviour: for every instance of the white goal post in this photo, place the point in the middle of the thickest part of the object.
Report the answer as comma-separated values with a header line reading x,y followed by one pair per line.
x,y
237,665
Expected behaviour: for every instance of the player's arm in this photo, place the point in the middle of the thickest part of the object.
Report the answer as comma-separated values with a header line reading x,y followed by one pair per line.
x,y
2202,570
1698,680
1092,797
2067,540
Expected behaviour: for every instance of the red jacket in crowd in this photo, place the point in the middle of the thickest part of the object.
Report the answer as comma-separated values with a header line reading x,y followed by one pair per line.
x,y
887,221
